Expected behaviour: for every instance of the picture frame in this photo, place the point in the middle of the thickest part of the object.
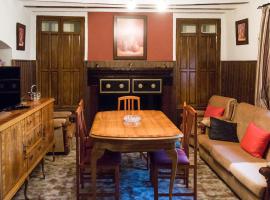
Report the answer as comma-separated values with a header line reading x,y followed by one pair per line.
x,y
130,39
241,32
20,36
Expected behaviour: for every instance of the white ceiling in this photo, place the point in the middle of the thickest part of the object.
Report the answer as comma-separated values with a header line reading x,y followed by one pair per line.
x,y
173,5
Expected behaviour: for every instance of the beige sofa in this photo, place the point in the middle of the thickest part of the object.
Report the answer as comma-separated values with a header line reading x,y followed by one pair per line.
x,y
235,166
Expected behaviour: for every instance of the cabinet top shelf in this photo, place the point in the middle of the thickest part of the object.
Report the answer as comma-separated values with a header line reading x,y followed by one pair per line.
x,y
14,116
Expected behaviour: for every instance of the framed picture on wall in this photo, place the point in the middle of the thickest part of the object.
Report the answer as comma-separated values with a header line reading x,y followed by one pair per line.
x,y
20,35
130,38
241,30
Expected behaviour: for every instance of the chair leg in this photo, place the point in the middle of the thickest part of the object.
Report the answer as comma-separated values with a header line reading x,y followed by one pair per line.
x,y
25,188
53,152
187,177
151,173
147,161
117,182
81,178
155,181
42,167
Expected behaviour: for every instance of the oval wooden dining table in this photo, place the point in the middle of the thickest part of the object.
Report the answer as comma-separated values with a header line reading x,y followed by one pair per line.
x,y
154,132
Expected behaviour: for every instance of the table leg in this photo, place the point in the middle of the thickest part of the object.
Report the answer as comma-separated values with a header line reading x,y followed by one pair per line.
x,y
173,155
95,155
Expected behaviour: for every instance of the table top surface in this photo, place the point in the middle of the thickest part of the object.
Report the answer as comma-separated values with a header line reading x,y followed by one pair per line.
x,y
154,125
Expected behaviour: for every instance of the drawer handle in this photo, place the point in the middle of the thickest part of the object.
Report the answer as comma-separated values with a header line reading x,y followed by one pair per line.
x,y
121,85
108,85
140,85
153,86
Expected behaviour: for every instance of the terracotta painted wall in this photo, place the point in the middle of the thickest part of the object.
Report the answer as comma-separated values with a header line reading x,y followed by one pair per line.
x,y
159,36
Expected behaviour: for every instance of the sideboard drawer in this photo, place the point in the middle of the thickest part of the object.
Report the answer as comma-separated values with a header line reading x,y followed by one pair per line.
x,y
147,86
114,86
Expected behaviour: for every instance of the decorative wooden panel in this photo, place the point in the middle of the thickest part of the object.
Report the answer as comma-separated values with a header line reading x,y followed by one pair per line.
x,y
13,161
60,55
238,80
198,61
28,74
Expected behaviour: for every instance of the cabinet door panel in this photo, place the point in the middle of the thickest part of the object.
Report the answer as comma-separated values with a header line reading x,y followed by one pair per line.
x,y
13,157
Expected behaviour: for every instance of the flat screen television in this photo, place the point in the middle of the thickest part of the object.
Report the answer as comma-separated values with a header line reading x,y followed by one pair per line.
x,y
10,90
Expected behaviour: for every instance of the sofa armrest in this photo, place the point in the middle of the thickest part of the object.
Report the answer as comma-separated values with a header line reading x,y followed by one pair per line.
x,y
265,171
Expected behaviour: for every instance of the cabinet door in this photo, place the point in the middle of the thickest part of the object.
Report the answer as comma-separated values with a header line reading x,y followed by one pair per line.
x,y
47,120
13,156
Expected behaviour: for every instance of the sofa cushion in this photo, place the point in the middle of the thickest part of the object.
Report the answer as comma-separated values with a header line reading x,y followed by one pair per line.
x,y
224,102
61,114
255,140
213,111
246,113
222,130
248,174
230,153
57,123
206,143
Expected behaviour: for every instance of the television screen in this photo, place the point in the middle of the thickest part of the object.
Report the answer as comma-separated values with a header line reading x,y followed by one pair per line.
x,y
10,91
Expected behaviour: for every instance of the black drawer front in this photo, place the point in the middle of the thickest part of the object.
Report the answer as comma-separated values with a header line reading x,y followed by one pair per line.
x,y
147,86
114,86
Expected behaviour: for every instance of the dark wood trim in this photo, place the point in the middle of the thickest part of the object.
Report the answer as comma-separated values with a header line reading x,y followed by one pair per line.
x,y
28,74
238,80
115,56
130,64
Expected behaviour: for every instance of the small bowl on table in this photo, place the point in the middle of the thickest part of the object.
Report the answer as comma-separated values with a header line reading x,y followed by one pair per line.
x,y
132,120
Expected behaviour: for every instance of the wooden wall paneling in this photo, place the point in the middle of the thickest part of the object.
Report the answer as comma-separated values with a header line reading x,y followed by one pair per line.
x,y
28,74
238,80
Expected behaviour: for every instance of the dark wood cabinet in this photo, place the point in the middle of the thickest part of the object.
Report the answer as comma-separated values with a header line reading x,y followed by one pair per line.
x,y
197,61
60,55
153,85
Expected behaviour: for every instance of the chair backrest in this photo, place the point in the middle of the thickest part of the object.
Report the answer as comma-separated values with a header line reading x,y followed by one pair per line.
x,y
129,102
189,127
81,104
80,134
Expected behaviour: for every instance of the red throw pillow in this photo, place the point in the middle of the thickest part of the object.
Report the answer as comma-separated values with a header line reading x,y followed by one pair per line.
x,y
212,111
255,140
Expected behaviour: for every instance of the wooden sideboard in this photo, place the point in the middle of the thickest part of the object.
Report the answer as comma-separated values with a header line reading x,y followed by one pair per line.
x,y
26,136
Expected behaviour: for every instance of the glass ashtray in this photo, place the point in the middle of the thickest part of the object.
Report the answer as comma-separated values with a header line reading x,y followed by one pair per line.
x,y
132,119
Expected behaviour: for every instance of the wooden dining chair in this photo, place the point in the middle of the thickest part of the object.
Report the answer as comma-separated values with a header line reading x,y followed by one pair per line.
x,y
109,162
160,160
129,103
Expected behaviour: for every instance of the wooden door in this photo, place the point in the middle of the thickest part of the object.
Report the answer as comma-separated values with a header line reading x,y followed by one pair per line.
x,y
198,60
60,54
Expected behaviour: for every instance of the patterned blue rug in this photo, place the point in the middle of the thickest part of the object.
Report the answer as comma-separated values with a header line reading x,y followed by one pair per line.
x,y
59,183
